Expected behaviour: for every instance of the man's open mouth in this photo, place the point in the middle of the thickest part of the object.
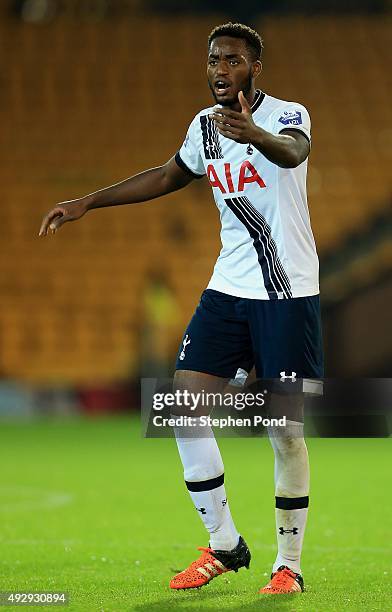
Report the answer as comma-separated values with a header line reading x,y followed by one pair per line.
x,y
222,87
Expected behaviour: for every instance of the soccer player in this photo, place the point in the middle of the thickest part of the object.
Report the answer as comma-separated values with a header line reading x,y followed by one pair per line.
x,y
261,306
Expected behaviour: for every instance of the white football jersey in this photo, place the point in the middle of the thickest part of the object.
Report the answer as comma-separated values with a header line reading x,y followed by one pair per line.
x,y
268,250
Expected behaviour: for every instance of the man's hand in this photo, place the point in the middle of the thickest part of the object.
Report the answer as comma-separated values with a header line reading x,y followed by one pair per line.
x,y
287,149
236,126
60,214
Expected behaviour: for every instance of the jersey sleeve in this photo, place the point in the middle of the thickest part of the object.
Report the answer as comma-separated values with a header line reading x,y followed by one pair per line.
x,y
293,117
188,157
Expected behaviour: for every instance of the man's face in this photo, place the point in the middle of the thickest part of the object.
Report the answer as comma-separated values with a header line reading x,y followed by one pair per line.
x,y
230,69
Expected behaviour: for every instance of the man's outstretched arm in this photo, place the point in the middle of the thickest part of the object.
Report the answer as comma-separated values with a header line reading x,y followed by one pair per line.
x,y
139,188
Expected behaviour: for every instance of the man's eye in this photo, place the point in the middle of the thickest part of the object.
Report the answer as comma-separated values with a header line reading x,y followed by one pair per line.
x,y
233,62
212,62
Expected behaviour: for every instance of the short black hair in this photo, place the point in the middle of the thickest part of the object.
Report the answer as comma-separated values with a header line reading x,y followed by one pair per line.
x,y
239,30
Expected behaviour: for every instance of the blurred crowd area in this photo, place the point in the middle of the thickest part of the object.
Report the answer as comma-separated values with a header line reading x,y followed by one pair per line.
x,y
93,92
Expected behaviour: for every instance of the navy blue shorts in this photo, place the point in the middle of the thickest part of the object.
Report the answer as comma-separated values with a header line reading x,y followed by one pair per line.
x,y
228,332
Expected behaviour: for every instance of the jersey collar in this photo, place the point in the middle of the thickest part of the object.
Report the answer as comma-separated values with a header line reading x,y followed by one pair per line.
x,y
259,97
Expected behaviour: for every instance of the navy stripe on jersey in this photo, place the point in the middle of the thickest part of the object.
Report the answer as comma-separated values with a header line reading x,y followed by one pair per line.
x,y
275,279
215,138
259,217
277,264
292,129
180,162
259,97
212,148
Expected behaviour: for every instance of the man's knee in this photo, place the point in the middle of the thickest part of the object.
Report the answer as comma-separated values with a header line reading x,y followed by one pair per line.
x,y
288,440
193,389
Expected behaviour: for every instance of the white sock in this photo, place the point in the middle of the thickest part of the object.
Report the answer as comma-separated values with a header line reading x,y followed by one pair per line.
x,y
204,477
291,493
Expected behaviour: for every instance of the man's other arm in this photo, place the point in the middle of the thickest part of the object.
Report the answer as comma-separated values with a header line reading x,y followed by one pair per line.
x,y
287,149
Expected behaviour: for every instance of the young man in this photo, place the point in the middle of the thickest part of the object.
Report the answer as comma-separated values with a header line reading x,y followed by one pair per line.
x,y
261,306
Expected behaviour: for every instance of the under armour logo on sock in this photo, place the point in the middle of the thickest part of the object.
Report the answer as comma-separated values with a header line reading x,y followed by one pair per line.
x,y
202,510
294,531
224,502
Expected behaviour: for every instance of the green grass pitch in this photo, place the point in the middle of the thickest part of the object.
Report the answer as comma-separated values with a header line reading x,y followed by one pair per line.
x,y
92,508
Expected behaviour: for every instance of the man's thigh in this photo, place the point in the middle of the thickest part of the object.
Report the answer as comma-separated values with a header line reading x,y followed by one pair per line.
x,y
210,387
217,340
287,347
286,337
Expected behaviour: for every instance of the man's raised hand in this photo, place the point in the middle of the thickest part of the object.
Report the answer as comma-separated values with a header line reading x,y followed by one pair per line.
x,y
245,107
60,214
236,126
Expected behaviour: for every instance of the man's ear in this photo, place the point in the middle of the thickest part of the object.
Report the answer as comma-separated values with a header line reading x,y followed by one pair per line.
x,y
256,68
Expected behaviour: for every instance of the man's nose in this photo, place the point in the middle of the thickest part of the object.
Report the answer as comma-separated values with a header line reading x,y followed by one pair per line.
x,y
222,68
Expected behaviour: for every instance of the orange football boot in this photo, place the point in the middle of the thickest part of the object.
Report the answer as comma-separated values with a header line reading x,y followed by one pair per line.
x,y
210,564
284,580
